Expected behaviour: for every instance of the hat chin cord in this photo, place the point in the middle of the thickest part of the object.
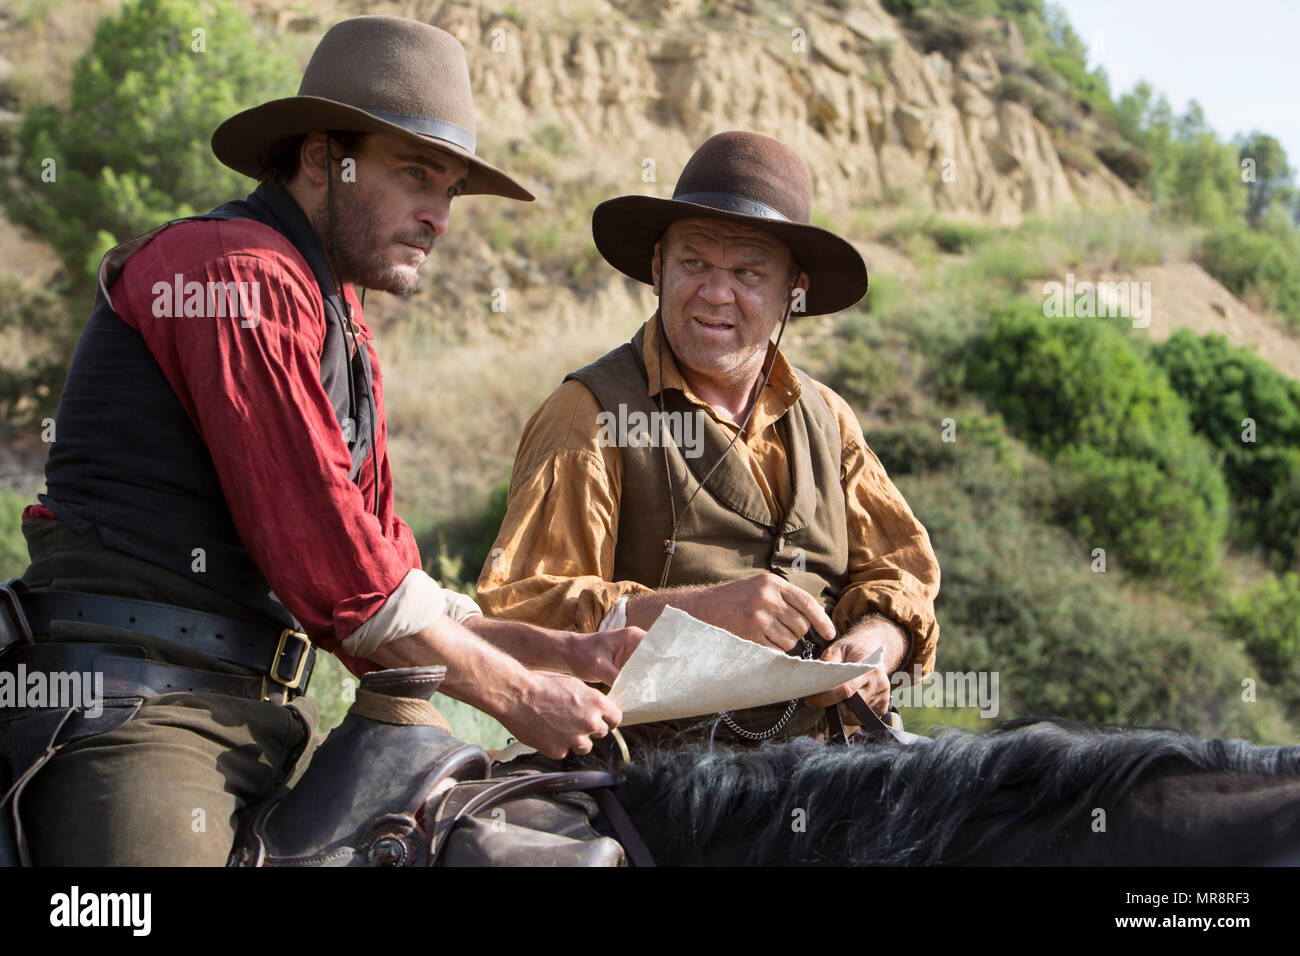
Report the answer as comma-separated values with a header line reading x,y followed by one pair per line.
x,y
670,543
335,270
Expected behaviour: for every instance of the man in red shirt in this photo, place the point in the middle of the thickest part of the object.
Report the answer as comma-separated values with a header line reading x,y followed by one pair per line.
x,y
221,463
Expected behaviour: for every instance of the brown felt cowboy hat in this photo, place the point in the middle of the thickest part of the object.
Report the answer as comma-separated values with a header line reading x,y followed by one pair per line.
x,y
740,177
379,75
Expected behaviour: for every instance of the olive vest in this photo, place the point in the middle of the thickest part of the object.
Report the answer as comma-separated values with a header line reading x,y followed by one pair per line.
x,y
728,534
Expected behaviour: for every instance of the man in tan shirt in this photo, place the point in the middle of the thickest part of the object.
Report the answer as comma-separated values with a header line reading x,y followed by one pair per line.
x,y
798,532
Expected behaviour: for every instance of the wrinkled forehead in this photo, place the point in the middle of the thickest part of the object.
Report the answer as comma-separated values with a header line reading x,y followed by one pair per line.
x,y
703,234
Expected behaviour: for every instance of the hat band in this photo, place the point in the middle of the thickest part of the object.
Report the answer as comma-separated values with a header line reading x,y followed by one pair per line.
x,y
733,203
428,126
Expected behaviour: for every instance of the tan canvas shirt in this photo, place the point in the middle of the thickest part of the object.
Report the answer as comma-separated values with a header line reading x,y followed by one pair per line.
x,y
553,559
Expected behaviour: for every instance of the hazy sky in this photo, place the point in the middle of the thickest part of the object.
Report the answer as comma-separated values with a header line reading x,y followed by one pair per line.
x,y
1238,60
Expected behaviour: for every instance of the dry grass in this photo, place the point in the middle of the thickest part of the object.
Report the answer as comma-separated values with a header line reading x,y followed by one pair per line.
x,y
456,410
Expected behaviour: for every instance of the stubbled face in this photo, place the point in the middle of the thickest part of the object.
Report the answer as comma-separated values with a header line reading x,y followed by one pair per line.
x,y
387,221
724,289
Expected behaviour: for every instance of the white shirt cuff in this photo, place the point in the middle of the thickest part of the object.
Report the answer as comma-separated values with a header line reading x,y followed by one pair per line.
x,y
414,604
617,616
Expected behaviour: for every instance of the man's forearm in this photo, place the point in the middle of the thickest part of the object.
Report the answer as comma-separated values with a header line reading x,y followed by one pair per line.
x,y
644,609
478,673
537,648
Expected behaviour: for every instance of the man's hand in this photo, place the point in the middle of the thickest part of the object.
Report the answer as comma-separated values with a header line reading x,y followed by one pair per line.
x,y
874,684
597,658
859,644
556,714
765,609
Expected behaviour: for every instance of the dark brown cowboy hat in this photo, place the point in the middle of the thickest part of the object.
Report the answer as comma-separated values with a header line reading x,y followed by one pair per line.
x,y
379,75
740,177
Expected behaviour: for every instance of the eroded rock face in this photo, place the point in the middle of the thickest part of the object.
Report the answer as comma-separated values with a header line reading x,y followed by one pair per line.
x,y
873,116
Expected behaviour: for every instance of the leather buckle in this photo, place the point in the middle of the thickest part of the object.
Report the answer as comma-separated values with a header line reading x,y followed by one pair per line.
x,y
303,646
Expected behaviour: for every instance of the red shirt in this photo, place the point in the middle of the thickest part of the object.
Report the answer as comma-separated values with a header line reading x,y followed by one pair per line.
x,y
254,395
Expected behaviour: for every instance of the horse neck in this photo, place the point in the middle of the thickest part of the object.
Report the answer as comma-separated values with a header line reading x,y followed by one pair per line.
x,y
1182,819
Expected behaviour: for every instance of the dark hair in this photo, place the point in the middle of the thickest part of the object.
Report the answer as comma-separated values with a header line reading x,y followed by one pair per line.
x,y
281,163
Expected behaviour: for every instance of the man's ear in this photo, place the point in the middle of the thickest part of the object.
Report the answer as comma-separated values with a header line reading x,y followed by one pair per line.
x,y
311,158
654,267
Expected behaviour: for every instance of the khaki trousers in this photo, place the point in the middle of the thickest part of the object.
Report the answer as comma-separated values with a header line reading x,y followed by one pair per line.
x,y
167,787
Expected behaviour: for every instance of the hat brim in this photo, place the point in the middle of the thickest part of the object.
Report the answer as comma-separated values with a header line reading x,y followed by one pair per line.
x,y
244,141
626,229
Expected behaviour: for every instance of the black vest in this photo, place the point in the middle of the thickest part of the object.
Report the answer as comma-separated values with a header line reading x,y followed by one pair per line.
x,y
128,462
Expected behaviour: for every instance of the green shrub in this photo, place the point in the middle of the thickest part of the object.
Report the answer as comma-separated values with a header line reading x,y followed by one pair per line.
x,y
1068,381
1267,619
950,236
855,362
885,297
948,33
957,237
1076,156
1137,478
1259,264
1223,387
915,448
1148,519
30,382
1019,88
455,551
1126,161
919,447
132,149
1009,258
1022,599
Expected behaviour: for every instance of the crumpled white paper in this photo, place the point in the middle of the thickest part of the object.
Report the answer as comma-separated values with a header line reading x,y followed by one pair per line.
x,y
686,668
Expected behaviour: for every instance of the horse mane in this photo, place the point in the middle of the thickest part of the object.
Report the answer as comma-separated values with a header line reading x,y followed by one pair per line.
x,y
888,805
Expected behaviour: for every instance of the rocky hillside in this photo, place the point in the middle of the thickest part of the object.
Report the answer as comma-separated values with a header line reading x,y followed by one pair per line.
x,y
617,95
876,118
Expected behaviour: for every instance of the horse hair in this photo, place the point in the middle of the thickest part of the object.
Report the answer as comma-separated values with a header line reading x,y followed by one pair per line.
x,y
887,805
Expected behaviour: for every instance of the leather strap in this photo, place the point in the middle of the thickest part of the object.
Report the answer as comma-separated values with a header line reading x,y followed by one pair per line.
x,y
481,796
625,831
871,724
128,673
285,656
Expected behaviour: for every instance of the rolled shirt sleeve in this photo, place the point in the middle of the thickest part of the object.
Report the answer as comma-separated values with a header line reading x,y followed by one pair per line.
x,y
892,566
553,561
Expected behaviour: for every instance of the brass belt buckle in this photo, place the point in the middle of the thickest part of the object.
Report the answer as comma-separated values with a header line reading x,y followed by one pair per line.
x,y
294,682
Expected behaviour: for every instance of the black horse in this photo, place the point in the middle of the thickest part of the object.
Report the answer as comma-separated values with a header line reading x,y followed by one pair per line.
x,y
1034,791
391,787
